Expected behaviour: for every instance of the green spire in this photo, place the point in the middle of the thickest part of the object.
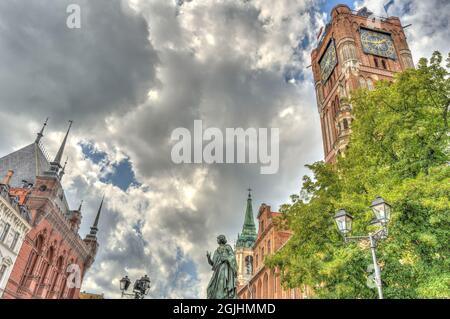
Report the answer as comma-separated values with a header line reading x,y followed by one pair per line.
x,y
248,236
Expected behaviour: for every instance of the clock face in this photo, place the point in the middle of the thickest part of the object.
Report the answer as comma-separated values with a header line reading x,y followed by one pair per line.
x,y
378,43
328,62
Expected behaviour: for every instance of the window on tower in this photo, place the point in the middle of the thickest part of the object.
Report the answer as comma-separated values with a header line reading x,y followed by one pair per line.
x,y
375,60
383,62
345,123
370,84
362,82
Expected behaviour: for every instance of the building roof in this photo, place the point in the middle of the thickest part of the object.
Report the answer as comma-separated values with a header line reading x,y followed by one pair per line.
x,y
27,163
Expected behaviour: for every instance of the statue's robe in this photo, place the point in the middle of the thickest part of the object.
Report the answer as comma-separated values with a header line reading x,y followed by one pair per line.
x,y
223,281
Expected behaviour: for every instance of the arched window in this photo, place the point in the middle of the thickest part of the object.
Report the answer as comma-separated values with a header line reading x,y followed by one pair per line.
x,y
269,248
375,60
345,123
58,271
362,82
249,265
370,84
336,104
265,286
259,290
383,62
38,245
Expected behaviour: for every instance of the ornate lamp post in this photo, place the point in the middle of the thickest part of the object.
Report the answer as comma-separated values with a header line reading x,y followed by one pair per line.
x,y
141,287
382,212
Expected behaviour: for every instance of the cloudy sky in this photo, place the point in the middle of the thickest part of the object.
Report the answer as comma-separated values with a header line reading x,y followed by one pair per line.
x,y
138,69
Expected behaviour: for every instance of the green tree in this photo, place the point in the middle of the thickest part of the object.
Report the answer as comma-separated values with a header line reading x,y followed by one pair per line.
x,y
399,149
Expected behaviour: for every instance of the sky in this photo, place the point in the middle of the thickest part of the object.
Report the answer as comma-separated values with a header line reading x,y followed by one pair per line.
x,y
138,69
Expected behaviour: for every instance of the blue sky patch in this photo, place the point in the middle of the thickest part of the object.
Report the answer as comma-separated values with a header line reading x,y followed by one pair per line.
x,y
119,174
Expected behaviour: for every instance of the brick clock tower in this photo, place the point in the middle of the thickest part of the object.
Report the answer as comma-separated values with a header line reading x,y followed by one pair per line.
x,y
356,50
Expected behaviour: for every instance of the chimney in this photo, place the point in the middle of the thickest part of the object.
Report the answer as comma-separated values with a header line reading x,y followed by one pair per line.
x,y
8,177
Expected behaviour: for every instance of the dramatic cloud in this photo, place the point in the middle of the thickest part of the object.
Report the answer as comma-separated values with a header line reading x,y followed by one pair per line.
x,y
137,70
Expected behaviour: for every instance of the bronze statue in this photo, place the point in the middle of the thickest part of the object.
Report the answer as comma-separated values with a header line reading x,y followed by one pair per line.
x,y
224,266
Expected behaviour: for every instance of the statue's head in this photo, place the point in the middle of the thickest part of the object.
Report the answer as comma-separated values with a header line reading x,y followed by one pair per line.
x,y
221,240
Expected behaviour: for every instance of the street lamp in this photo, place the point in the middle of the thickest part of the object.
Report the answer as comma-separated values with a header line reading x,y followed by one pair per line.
x,y
125,283
141,287
382,212
343,221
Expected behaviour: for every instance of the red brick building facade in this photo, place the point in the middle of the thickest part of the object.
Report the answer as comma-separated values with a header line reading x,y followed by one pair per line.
x,y
53,258
265,283
355,50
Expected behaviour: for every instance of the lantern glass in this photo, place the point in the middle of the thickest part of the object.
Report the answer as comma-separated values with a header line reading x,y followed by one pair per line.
x,y
381,210
145,284
124,283
343,221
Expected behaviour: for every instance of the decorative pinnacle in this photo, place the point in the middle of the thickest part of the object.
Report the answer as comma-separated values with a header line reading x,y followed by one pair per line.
x,y
81,205
94,228
40,135
60,153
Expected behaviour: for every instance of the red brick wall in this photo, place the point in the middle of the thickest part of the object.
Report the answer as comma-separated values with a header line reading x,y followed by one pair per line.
x,y
266,283
49,249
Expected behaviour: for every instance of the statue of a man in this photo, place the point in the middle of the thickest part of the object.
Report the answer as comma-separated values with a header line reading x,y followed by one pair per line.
x,y
224,266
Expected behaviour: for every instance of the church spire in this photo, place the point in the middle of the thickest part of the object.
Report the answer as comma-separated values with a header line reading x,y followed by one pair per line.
x,y
248,236
55,166
94,228
249,221
40,135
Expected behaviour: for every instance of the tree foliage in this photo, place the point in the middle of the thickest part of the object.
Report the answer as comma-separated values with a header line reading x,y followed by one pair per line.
x,y
399,149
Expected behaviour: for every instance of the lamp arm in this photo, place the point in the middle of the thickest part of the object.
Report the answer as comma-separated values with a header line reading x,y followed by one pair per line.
x,y
355,238
380,234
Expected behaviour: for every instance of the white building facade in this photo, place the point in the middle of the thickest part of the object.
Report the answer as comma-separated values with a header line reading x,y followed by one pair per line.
x,y
14,225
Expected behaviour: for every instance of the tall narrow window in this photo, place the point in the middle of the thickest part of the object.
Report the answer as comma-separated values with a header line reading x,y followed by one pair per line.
x,y
362,83
345,122
370,84
384,64
2,272
5,232
15,240
375,60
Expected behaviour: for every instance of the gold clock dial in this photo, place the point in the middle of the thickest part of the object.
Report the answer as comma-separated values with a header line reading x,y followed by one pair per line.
x,y
328,62
378,43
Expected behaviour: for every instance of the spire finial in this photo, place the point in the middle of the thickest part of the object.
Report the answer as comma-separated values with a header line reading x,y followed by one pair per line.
x,y
81,205
55,166
40,135
94,228
60,153
249,192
